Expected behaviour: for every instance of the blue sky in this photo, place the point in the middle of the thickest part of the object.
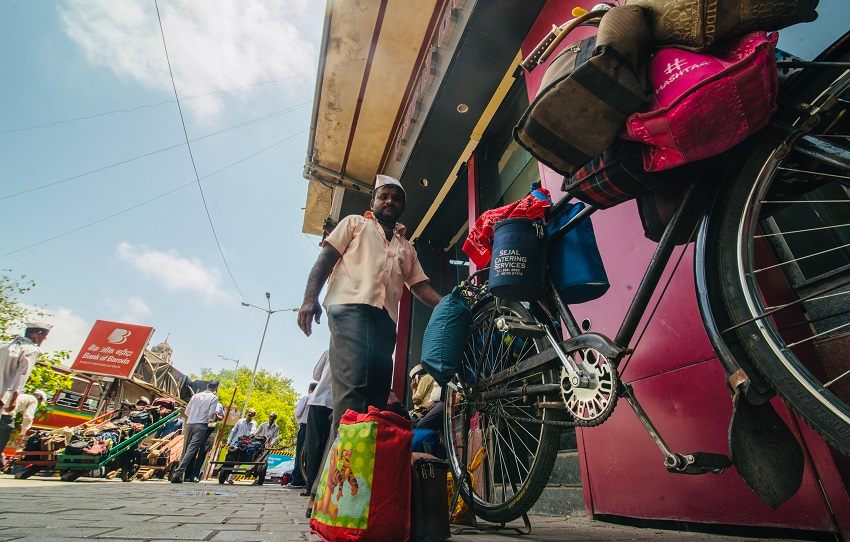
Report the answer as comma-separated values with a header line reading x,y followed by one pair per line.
x,y
158,265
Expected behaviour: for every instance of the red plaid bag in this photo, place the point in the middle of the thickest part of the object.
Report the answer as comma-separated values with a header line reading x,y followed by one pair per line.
x,y
364,492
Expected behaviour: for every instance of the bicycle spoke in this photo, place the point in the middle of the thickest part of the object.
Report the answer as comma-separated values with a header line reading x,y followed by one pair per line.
x,y
816,173
784,233
836,379
821,334
833,249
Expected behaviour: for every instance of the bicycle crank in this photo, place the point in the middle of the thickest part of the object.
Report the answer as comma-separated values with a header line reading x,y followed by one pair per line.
x,y
591,403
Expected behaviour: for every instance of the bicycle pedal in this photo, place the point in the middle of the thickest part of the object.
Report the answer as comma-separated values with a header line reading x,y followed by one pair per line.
x,y
519,328
697,463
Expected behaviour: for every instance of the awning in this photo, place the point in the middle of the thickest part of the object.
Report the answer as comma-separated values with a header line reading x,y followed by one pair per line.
x,y
371,56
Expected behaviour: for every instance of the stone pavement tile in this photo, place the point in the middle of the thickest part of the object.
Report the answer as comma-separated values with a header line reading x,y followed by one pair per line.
x,y
147,531
52,533
241,536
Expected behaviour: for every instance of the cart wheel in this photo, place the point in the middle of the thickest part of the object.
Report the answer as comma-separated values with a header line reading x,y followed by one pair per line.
x,y
222,475
68,475
26,473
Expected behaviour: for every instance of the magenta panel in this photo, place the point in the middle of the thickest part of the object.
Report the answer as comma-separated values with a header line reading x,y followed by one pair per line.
x,y
691,409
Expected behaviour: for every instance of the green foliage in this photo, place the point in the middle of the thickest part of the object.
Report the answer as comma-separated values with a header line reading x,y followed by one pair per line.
x,y
13,314
272,393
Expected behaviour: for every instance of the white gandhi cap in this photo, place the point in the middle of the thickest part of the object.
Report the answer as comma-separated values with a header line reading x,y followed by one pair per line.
x,y
37,324
386,180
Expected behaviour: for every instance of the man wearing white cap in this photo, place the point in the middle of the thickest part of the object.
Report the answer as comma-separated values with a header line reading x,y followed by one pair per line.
x,y
369,262
17,360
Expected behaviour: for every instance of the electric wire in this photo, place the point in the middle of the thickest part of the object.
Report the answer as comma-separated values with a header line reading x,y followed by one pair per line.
x,y
147,201
192,156
151,153
145,106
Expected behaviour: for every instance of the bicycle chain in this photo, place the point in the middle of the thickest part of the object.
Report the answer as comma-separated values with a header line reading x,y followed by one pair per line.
x,y
556,423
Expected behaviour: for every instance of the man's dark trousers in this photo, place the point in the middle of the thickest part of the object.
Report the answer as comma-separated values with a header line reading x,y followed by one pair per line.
x,y
361,358
297,477
194,435
194,469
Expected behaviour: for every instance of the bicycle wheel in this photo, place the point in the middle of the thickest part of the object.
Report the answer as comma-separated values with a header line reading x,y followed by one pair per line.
x,y
779,258
518,456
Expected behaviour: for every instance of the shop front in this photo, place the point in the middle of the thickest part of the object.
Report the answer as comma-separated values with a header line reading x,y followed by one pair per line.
x,y
452,147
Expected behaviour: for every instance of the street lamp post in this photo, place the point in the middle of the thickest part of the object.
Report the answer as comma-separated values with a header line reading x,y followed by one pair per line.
x,y
269,313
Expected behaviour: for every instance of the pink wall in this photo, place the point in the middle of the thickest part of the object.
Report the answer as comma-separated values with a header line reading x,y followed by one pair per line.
x,y
680,383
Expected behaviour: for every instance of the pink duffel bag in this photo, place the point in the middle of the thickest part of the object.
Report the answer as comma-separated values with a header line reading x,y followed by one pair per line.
x,y
706,103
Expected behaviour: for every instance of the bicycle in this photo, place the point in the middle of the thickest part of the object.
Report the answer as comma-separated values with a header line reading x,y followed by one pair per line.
x,y
521,382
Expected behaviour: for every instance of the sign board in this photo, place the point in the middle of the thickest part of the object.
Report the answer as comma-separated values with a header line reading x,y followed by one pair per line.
x,y
112,349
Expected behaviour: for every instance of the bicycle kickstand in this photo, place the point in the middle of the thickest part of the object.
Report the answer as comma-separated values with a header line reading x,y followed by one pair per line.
x,y
692,463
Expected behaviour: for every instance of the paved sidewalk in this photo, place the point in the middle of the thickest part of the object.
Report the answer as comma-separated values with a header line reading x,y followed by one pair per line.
x,y
47,509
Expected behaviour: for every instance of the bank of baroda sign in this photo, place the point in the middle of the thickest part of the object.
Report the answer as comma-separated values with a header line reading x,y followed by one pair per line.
x,y
112,349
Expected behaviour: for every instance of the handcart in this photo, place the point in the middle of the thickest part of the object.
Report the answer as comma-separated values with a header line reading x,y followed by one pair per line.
x,y
124,456
233,464
35,461
161,456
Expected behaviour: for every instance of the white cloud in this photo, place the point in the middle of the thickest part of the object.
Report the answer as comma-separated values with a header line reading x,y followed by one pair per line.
x,y
133,310
174,272
213,46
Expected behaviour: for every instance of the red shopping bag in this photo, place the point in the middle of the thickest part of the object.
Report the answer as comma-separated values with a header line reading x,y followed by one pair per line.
x,y
364,492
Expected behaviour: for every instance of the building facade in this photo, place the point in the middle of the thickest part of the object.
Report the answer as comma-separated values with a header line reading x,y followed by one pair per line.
x,y
429,92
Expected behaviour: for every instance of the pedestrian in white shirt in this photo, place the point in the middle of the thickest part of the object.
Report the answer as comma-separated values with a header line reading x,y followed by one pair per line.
x,y
244,427
200,412
17,360
270,430
301,411
26,405
319,419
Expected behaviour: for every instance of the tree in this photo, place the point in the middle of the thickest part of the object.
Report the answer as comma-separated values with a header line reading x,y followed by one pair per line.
x,y
272,392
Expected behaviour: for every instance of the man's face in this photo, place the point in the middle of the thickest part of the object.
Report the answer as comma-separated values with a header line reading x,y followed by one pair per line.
x,y
388,203
37,336
272,419
250,416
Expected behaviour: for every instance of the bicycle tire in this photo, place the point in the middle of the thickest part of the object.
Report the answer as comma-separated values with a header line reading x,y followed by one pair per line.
x,y
542,459
729,259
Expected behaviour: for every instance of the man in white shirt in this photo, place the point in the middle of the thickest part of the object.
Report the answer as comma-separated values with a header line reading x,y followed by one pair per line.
x,y
301,411
26,405
202,410
17,360
319,418
243,428
270,430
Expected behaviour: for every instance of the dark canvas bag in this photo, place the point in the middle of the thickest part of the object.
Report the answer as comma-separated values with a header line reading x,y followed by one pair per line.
x,y
696,24
617,175
580,112
429,501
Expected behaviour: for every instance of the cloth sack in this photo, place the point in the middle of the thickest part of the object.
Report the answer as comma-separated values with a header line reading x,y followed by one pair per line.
x,y
364,490
696,24
704,104
445,336
580,112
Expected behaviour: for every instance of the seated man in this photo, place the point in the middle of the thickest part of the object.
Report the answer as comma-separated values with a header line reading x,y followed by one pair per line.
x,y
421,385
426,429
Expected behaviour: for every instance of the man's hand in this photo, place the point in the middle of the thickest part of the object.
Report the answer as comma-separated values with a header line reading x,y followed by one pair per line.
x,y
426,294
309,311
